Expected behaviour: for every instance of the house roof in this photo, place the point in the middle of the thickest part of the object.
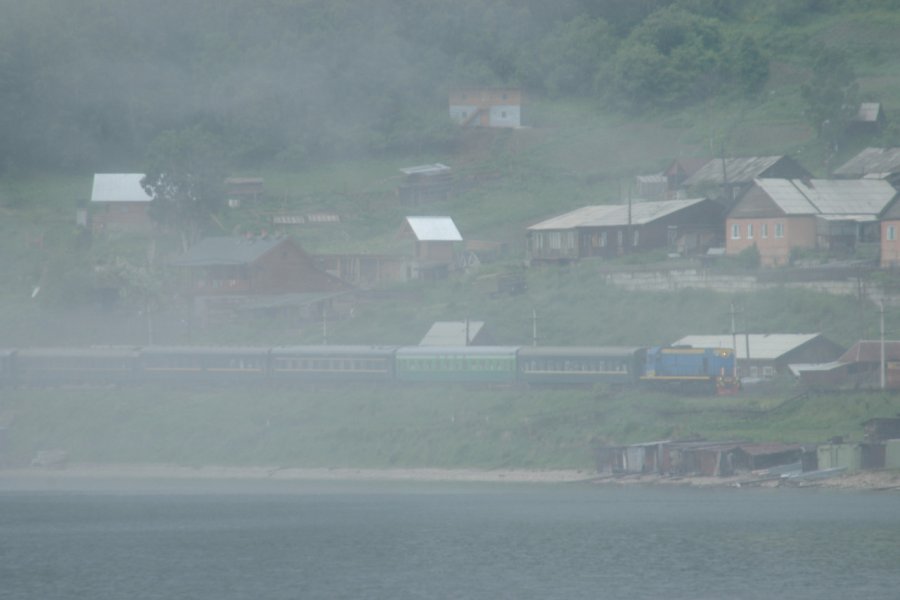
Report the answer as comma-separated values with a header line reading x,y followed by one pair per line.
x,y
119,187
612,215
737,170
452,333
851,197
871,161
434,169
762,346
227,251
870,351
434,229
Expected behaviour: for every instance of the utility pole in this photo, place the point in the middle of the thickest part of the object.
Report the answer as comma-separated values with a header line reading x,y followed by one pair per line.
x,y
881,361
734,340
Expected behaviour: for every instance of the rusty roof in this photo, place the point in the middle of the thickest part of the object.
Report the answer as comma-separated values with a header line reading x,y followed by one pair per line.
x,y
870,351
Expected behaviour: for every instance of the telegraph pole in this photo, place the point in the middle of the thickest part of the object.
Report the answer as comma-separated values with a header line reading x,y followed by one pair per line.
x,y
881,361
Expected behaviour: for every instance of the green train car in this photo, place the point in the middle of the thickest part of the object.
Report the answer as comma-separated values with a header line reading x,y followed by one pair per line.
x,y
464,364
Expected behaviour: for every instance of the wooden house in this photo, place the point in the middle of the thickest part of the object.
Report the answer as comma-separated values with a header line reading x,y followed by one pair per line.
x,y
486,107
779,215
610,230
239,189
119,203
437,242
868,120
765,356
872,163
860,367
726,180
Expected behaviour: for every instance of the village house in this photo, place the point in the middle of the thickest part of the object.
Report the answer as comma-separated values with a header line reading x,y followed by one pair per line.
x,y
666,185
240,189
119,203
437,244
868,120
610,230
726,180
778,216
890,236
766,356
271,274
872,163
486,107
860,367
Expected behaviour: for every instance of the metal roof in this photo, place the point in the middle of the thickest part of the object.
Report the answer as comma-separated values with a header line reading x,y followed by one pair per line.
x,y
452,333
871,160
434,229
425,169
119,187
226,251
870,351
737,170
868,112
762,346
611,215
852,197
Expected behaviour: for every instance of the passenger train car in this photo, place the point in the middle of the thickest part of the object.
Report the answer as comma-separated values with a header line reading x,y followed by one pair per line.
x,y
666,367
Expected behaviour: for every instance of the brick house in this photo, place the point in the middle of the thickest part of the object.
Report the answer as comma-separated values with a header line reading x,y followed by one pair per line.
x,y
610,230
780,215
486,107
118,202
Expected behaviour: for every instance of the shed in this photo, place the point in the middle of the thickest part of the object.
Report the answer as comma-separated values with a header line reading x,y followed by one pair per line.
x,y
425,182
868,120
765,355
437,241
457,333
119,202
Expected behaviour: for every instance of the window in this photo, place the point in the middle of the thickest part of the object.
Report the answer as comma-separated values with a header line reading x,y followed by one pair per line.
x,y
764,230
619,237
735,231
779,230
603,239
749,231
635,237
891,233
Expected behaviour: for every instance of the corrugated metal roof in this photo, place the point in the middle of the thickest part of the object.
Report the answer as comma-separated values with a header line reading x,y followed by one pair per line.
x,y
737,170
870,351
611,215
829,196
762,346
871,160
451,333
425,169
226,251
119,187
434,229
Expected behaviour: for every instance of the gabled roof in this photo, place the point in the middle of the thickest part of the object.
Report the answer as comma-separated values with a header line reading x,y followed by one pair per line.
x,y
762,346
227,251
870,351
871,161
452,333
434,229
434,169
119,187
737,170
613,215
851,197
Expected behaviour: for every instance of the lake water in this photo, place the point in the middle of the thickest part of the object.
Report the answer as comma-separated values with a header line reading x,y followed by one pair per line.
x,y
273,540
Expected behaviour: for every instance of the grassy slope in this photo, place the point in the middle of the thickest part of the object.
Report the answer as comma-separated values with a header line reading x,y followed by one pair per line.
x,y
573,154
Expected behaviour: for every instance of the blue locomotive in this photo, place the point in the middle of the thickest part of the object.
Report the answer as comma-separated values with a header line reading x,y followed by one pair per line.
x,y
670,368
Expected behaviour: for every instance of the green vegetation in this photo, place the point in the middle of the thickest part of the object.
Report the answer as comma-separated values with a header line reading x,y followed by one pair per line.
x,y
408,427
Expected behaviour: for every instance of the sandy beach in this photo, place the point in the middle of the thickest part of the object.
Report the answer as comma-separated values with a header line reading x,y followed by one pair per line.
x,y
865,480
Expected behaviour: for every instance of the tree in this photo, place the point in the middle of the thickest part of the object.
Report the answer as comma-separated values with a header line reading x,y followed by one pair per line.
x,y
185,176
830,96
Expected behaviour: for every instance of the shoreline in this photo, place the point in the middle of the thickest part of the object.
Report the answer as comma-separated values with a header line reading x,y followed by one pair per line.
x,y
881,480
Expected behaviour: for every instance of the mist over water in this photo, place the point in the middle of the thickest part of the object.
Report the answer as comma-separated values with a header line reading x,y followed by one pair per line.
x,y
334,540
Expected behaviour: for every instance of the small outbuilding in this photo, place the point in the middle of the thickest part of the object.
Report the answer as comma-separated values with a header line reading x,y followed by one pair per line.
x,y
437,244
120,203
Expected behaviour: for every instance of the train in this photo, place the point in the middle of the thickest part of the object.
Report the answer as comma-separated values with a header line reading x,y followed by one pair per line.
x,y
664,367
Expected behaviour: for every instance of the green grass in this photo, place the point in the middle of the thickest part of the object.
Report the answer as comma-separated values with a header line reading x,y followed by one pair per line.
x,y
448,427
